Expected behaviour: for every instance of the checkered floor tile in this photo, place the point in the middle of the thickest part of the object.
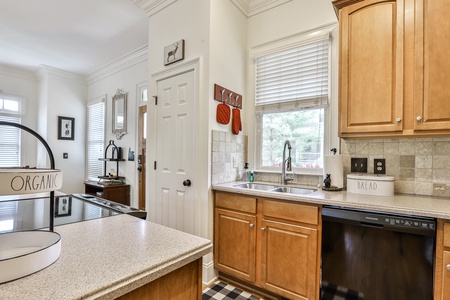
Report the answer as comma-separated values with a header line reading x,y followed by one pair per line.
x,y
334,292
223,291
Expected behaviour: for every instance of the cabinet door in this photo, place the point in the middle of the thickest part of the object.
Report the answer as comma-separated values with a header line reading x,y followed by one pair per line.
x,y
432,65
446,277
371,67
235,244
289,260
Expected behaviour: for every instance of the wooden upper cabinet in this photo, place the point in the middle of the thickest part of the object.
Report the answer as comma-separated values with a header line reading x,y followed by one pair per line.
x,y
371,67
432,65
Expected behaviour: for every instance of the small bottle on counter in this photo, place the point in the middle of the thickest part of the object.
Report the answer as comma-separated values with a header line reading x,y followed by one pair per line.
x,y
246,175
252,176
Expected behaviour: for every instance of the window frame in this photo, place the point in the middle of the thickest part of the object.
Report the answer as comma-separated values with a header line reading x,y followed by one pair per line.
x,y
331,139
19,114
101,99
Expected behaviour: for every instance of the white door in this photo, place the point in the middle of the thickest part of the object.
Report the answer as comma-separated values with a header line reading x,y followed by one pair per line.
x,y
176,198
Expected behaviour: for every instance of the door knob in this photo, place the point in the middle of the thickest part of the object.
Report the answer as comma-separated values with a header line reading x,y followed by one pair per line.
x,y
139,168
187,182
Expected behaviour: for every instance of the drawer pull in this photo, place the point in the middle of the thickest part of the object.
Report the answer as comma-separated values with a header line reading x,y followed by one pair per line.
x,y
448,267
263,229
252,225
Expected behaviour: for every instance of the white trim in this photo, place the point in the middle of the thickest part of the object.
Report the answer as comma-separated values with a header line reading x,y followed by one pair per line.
x,y
17,72
133,58
253,7
45,71
292,41
151,7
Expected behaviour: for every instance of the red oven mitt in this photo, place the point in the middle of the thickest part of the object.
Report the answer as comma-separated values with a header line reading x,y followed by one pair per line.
x,y
223,113
236,124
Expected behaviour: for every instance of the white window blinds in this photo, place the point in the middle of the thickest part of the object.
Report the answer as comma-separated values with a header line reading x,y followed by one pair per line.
x,y
95,138
9,143
294,78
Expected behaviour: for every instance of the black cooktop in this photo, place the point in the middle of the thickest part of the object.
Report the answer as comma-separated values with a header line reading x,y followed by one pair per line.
x,y
33,213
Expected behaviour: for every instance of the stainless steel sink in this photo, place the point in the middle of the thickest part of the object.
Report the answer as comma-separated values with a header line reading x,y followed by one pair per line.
x,y
256,186
293,190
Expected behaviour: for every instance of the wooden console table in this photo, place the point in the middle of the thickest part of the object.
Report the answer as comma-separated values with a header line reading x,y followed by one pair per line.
x,y
117,192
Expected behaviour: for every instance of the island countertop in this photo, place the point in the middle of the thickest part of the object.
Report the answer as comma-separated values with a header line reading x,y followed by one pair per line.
x,y
109,257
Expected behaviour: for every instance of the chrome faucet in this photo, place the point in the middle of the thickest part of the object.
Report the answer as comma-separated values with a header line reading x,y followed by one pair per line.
x,y
287,163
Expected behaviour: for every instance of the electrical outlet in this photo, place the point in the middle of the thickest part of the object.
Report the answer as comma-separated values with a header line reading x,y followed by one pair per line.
x,y
358,165
379,166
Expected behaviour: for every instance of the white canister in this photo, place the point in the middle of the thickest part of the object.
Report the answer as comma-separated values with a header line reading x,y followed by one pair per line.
x,y
370,184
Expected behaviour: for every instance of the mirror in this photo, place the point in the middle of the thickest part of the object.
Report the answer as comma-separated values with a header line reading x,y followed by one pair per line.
x,y
119,114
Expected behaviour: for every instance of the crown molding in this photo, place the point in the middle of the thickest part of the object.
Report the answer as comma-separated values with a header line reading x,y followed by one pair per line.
x,y
44,70
151,7
13,71
254,7
137,56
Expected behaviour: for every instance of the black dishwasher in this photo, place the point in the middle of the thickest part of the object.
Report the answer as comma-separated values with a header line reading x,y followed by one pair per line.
x,y
376,256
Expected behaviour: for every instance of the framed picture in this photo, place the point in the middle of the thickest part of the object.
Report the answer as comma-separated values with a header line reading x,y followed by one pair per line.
x,y
66,128
63,206
174,52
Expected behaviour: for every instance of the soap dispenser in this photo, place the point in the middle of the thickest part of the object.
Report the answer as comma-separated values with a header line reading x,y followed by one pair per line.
x,y
246,175
252,176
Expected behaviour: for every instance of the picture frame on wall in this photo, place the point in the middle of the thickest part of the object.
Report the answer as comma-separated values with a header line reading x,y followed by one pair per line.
x,y
174,52
63,206
66,128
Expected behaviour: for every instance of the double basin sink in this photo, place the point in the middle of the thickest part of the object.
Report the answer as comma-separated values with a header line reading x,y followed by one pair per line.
x,y
276,188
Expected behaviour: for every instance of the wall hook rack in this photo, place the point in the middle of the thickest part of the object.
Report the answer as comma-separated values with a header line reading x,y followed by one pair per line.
x,y
226,96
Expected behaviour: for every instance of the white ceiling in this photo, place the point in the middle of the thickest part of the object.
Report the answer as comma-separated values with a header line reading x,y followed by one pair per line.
x,y
78,36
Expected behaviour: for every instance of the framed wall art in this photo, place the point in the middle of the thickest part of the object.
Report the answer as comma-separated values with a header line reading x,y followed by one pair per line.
x,y
174,52
66,128
63,206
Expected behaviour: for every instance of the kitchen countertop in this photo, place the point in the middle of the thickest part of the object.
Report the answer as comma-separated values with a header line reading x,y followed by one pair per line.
x,y
109,257
426,206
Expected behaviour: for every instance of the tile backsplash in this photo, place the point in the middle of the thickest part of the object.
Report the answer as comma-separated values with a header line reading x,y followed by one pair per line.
x,y
419,165
228,151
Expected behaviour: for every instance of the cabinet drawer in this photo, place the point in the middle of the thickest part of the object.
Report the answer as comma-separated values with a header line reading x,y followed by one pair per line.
x,y
446,234
236,202
291,211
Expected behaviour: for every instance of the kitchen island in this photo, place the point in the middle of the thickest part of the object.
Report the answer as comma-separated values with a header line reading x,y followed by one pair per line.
x,y
110,257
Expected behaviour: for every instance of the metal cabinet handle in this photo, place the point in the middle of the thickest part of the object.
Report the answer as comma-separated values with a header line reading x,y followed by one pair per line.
x,y
187,182
252,225
263,229
399,120
448,267
419,118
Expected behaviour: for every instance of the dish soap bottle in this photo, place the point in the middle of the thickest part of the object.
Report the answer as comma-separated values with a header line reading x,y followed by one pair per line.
x,y
246,176
252,176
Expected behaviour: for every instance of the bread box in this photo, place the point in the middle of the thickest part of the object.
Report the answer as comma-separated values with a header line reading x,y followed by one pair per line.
x,y
370,184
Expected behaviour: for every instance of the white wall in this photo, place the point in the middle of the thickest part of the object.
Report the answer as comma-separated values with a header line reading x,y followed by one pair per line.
x,y
124,74
63,94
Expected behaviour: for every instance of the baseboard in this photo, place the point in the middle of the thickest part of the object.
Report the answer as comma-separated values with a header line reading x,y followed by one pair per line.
x,y
209,274
248,287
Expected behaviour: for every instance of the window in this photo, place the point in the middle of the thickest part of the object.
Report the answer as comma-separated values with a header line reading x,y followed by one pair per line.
x,y
291,103
95,137
10,111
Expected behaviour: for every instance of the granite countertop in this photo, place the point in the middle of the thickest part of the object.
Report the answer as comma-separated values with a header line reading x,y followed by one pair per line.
x,y
425,206
109,257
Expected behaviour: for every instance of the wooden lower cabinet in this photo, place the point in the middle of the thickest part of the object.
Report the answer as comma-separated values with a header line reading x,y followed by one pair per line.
x,y
184,283
235,244
289,260
442,268
271,244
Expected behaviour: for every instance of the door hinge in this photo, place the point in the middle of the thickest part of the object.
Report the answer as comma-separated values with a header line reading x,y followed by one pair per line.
x,y
156,100
154,165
